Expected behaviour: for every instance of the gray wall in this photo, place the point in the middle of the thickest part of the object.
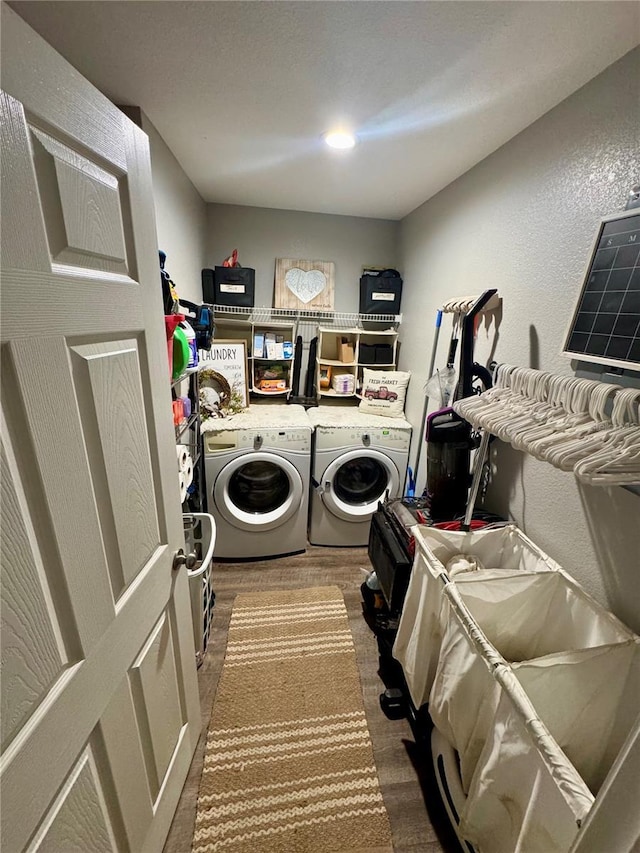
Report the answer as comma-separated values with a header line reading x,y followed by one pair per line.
x,y
181,217
524,220
261,235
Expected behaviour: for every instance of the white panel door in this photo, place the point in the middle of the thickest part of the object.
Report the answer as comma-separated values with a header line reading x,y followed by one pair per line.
x,y
99,700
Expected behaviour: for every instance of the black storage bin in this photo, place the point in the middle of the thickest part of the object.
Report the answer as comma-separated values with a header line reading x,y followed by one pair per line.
x,y
229,286
381,294
384,354
367,354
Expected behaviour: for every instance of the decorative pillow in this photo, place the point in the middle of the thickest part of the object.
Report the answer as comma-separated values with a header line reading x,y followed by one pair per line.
x,y
383,392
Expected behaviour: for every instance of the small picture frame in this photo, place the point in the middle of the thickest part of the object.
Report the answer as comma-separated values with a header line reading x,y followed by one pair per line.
x,y
224,379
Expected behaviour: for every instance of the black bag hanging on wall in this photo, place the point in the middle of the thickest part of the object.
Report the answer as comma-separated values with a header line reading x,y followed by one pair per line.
x,y
381,293
169,295
201,322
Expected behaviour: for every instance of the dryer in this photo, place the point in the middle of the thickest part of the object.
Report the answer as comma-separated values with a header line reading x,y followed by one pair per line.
x,y
357,460
257,467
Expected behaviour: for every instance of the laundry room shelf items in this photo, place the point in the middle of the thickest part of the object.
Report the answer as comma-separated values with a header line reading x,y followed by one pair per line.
x,y
188,435
348,351
582,425
269,346
370,340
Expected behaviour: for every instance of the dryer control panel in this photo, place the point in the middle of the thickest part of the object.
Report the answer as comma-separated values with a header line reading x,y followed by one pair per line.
x,y
390,437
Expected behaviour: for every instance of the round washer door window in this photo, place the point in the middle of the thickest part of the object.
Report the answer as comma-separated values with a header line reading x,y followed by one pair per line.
x,y
355,482
258,491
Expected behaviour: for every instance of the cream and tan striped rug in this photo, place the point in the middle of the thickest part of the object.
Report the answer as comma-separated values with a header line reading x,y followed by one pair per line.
x,y
288,763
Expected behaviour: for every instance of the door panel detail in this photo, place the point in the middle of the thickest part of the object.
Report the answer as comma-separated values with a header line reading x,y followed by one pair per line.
x,y
81,206
109,389
32,650
20,215
157,702
61,459
121,736
78,820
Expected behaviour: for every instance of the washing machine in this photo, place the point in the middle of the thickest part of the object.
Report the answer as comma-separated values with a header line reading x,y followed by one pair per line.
x,y
257,467
357,460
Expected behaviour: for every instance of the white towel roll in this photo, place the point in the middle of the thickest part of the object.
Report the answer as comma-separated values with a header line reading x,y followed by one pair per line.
x,y
183,487
187,471
182,452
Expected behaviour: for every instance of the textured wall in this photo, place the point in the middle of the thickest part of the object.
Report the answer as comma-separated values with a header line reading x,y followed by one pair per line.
x,y
181,217
261,235
524,220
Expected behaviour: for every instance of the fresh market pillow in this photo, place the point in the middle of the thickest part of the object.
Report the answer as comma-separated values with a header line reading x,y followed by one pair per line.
x,y
383,392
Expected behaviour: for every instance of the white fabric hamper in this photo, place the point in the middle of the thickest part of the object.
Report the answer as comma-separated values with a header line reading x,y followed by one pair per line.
x,y
532,682
417,645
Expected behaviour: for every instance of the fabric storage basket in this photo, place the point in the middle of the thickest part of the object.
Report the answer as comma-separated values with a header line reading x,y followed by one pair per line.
x,y
574,660
381,294
232,286
417,645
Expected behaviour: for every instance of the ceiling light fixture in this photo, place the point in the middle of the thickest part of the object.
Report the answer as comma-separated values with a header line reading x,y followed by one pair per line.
x,y
339,139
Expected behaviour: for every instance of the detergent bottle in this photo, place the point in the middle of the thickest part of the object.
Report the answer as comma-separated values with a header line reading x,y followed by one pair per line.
x,y
190,335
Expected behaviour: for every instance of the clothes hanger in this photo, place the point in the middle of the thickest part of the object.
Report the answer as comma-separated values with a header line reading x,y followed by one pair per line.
x,y
603,445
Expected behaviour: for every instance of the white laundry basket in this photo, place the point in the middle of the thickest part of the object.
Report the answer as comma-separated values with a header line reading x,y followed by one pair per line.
x,y
502,550
532,682
572,657
200,538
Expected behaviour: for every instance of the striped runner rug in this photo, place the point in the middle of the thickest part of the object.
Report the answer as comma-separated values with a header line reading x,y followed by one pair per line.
x,y
288,763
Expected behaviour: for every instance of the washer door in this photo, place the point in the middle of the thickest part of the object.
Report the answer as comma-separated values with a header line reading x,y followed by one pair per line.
x,y
258,491
355,482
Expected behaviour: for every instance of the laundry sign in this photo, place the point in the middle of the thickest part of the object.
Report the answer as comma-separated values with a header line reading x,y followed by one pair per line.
x,y
224,378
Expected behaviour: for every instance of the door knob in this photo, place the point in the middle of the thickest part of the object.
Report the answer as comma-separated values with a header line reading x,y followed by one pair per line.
x,y
181,559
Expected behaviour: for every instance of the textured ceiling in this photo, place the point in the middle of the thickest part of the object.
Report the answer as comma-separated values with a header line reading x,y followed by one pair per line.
x,y
242,91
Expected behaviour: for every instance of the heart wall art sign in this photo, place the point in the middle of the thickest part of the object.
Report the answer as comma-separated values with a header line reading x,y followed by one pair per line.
x,y
304,285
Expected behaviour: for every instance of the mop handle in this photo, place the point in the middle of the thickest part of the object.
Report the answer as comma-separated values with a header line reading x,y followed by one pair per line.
x,y
477,474
416,467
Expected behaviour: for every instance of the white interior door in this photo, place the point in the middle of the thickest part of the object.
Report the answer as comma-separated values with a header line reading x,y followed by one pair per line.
x,y
99,700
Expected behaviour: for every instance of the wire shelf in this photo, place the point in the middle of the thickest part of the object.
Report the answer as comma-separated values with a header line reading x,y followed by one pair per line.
x,y
339,318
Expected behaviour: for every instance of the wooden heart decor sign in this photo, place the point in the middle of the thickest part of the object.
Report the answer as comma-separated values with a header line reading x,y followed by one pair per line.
x,y
304,284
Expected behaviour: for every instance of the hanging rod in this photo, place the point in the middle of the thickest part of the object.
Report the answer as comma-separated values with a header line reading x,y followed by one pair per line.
x,y
582,425
463,304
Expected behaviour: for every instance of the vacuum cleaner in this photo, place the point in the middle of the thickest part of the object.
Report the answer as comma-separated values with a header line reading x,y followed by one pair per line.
x,y
449,437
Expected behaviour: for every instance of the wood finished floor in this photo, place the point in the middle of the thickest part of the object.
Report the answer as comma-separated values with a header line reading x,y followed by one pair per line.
x,y
418,822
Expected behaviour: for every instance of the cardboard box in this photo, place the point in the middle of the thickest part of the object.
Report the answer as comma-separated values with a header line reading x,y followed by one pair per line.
x,y
273,385
346,350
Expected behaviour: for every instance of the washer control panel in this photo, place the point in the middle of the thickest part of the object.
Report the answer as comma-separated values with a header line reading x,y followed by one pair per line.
x,y
295,438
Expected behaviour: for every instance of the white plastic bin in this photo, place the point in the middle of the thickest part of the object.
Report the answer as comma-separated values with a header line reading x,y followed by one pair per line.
x,y
200,538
